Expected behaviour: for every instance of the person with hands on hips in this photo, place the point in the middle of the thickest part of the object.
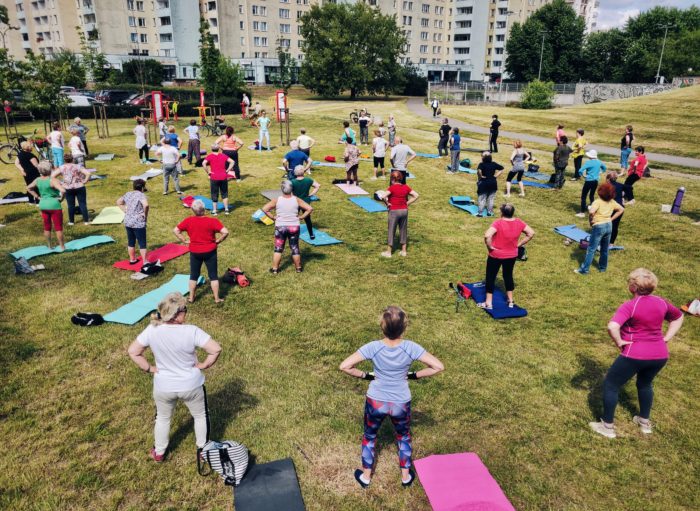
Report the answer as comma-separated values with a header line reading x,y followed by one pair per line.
x,y
177,370
388,393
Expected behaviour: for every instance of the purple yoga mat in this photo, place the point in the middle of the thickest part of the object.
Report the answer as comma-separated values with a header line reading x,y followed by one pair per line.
x,y
460,482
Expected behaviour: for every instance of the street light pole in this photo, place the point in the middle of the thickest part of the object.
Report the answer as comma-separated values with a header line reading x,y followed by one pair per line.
x,y
663,47
539,73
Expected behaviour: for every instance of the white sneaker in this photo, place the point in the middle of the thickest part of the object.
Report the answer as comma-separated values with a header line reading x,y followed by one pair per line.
x,y
403,253
644,427
629,202
506,195
602,429
581,215
374,178
385,254
70,223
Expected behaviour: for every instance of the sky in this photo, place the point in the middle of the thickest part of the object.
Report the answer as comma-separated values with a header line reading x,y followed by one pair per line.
x,y
614,13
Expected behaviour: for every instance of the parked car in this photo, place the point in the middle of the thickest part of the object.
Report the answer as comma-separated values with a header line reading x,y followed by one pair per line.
x,y
78,100
145,100
88,93
127,101
68,89
112,96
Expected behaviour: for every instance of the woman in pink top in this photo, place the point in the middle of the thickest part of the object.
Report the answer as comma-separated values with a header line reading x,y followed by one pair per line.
x,y
560,133
637,331
635,173
503,241
230,144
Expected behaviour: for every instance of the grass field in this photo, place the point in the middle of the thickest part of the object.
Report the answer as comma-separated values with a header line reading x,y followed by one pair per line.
x,y
76,414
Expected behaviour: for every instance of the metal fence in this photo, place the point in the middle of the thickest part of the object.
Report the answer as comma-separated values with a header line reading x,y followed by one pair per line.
x,y
463,93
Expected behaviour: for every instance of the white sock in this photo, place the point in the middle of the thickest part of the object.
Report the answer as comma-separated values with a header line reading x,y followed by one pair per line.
x,y
362,478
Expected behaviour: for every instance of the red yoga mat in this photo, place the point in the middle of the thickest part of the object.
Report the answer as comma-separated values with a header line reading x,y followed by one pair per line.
x,y
164,253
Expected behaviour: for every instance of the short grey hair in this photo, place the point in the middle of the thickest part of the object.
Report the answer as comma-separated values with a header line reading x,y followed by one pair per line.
x,y
45,168
198,207
215,147
299,170
286,187
294,144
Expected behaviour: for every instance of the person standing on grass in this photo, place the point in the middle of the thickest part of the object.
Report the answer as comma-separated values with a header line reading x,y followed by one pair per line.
x,y
77,151
637,331
82,132
245,103
401,156
74,179
379,147
230,144
303,188
635,173
294,158
217,165
364,121
170,157
305,142
193,144
177,373
135,206
399,196
493,134
388,393
203,243
50,195
141,134
561,160
444,132
348,133
27,163
578,152
601,214
351,156
263,124
518,158
591,171
503,239
487,173
391,127
620,191
559,133
435,104
626,147
286,219
162,129
455,149
57,142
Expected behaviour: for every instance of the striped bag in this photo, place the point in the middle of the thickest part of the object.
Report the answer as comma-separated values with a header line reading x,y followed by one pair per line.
x,y
228,459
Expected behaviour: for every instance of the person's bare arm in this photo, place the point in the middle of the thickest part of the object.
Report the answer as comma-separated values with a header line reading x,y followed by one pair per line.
x,y
315,186
56,184
304,206
618,212
434,366
348,365
30,189
19,167
411,158
229,164
135,351
121,204
224,234
614,332
213,350
268,207
529,234
413,197
178,234
146,209
488,238
311,142
673,328
85,174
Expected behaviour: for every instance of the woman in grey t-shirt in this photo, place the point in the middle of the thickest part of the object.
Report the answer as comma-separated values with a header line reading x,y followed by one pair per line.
x,y
388,393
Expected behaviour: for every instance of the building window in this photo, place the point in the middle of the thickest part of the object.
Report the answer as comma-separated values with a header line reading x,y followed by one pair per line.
x,y
424,36
423,48
425,8
462,51
143,38
464,24
139,6
423,61
142,22
284,14
424,22
166,38
500,37
497,63
408,20
130,4
241,24
285,28
285,43
260,26
132,21
211,6
499,51
500,24
464,10
407,6
438,24
463,37
213,22
134,37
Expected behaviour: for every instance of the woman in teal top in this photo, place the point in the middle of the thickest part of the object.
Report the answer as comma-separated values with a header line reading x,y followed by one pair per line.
x,y
51,193
263,124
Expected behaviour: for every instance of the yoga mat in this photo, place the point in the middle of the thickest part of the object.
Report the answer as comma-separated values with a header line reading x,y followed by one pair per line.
x,y
466,170
96,177
540,176
368,204
162,254
256,148
208,204
428,155
327,164
467,204
148,174
259,216
104,157
110,215
134,311
269,487
460,482
575,234
321,238
14,201
351,189
500,302
271,194
72,245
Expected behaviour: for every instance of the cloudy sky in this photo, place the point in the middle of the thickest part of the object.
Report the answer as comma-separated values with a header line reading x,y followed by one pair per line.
x,y
614,13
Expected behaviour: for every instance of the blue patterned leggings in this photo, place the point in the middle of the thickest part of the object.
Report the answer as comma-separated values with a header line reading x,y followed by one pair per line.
x,y
400,415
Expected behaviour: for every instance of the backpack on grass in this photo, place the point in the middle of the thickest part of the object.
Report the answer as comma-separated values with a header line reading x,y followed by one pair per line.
x,y
228,459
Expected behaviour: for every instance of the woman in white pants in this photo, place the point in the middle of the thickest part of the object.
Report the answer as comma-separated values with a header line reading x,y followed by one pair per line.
x,y
177,371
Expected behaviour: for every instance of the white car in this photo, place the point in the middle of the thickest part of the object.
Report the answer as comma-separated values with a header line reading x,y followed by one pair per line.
x,y
78,100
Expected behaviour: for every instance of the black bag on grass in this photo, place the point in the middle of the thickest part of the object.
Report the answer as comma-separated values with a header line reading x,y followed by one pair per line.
x,y
87,319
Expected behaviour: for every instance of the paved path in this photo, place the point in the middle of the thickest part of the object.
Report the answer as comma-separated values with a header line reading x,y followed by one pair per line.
x,y
417,106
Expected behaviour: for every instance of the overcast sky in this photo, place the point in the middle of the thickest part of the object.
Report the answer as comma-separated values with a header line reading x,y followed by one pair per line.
x,y
614,13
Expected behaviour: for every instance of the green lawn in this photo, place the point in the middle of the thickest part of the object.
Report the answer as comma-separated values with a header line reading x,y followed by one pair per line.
x,y
76,414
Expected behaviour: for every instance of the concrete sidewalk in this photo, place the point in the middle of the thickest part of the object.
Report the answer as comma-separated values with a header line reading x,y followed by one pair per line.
x,y
417,106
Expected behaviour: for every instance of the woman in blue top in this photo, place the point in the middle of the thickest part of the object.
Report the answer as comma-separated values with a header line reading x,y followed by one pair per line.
x,y
455,140
591,171
263,124
388,392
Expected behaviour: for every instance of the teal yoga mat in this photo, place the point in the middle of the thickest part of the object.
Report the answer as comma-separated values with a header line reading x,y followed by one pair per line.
x,y
428,155
72,245
321,238
133,312
466,203
368,204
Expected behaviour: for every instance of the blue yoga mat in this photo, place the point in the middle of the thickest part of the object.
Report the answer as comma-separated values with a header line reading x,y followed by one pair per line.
x,y
466,203
500,302
578,235
133,312
327,164
208,204
540,176
467,170
368,204
72,245
428,155
321,238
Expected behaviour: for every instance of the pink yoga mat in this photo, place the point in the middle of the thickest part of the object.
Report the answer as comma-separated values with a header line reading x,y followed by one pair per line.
x,y
164,253
352,189
460,482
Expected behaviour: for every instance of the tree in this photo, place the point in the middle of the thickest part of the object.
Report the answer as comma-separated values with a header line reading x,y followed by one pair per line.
x,y
95,62
10,75
143,71
603,52
415,84
209,58
72,69
351,47
42,88
563,40
288,69
538,95
229,78
5,26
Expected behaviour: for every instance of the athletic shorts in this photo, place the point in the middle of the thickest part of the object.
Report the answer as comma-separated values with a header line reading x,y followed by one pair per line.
x,y
284,233
378,162
134,235
514,173
218,186
54,216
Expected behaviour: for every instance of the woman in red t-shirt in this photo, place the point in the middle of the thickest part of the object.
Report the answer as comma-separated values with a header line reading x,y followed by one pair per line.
x,y
503,241
202,231
398,197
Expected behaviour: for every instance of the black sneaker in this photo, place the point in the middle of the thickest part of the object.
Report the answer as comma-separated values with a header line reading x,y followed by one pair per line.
x,y
358,473
408,483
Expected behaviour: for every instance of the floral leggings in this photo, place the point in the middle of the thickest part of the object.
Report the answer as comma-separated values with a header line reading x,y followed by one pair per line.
x,y
282,233
400,415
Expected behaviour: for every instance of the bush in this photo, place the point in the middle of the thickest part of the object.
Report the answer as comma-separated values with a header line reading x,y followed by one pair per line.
x,y
538,95
414,83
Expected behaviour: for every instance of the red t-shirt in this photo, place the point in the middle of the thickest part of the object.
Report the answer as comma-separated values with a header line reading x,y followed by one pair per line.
x,y
641,319
399,196
217,166
505,241
202,232
638,165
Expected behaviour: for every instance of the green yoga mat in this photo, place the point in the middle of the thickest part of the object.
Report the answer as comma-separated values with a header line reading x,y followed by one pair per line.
x,y
78,244
133,312
110,215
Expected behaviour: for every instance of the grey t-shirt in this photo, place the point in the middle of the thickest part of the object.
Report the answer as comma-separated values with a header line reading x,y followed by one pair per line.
x,y
391,366
399,156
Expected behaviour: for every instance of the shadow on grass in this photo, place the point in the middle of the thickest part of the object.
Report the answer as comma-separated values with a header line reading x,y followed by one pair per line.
x,y
590,377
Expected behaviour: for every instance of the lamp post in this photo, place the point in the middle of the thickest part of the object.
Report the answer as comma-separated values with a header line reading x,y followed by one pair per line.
x,y
663,47
539,73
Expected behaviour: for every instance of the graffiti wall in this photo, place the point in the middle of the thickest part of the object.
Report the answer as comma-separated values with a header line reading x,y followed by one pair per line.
x,y
686,81
598,92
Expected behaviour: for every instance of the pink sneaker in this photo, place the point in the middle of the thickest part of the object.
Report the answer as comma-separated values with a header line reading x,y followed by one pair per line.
x,y
158,458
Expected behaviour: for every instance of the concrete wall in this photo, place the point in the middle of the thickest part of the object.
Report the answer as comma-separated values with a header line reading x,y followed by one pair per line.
x,y
597,92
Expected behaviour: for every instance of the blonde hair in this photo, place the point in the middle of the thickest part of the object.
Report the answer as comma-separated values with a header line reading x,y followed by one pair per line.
x,y
642,281
517,144
393,322
168,309
171,129
74,132
45,168
26,145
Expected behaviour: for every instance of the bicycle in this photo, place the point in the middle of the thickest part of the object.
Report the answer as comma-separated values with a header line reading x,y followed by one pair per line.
x,y
212,130
355,115
9,152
